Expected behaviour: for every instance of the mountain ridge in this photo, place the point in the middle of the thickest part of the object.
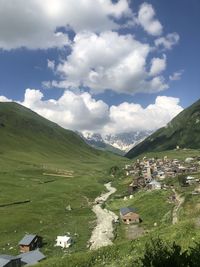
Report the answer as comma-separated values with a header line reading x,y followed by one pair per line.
x,y
117,143
183,131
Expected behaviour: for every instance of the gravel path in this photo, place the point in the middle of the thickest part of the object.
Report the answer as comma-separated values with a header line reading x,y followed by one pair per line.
x,y
103,235
180,201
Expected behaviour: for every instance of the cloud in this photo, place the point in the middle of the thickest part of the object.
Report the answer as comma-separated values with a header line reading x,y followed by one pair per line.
x,y
158,65
72,111
82,112
146,18
129,117
51,64
108,61
168,42
176,76
4,99
34,24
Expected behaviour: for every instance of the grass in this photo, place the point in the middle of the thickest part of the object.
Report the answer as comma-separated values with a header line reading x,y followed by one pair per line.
x,y
29,147
180,154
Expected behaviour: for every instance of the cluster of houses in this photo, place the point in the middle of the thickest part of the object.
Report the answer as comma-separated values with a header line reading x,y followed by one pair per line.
x,y
148,172
29,251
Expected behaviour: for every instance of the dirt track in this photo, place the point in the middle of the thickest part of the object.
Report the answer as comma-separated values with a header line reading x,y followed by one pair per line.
x,y
103,235
179,202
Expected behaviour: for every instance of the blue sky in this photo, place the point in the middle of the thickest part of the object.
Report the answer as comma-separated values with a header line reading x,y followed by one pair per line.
x,y
67,66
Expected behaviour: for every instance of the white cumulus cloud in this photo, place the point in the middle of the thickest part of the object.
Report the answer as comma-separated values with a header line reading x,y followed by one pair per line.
x,y
33,23
158,65
129,117
82,112
146,18
168,41
176,76
109,61
4,99
72,111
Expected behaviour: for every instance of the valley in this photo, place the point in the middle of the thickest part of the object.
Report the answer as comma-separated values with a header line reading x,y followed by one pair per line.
x,y
50,187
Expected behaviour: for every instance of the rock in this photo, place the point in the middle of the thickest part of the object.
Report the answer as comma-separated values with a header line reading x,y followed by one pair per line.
x,y
68,208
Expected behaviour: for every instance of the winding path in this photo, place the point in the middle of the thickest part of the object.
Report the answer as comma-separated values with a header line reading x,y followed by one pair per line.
x,y
180,201
102,234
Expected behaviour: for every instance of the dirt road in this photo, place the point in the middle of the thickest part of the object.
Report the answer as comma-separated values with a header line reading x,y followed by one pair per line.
x,y
103,235
179,202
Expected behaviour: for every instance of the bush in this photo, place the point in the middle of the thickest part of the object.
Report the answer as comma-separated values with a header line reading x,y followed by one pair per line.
x,y
160,254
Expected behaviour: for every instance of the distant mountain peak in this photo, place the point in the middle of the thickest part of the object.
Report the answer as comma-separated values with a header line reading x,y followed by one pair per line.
x,y
118,143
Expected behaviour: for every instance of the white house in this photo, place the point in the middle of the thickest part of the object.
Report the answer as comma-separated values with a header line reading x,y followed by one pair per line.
x,y
154,185
63,241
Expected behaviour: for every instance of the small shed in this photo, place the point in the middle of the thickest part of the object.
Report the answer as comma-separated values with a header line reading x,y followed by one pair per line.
x,y
63,241
31,257
29,243
10,261
129,215
154,185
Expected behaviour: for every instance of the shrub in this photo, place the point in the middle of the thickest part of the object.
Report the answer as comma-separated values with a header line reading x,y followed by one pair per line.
x,y
160,254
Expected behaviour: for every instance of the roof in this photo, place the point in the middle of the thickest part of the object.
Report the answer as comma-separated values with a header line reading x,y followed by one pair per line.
x,y
154,182
27,239
5,259
126,210
63,238
32,257
3,262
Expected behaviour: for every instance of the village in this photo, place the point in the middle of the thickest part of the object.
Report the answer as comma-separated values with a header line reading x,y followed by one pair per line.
x,y
151,174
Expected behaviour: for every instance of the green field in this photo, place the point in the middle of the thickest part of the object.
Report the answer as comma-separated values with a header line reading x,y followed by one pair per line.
x,y
30,148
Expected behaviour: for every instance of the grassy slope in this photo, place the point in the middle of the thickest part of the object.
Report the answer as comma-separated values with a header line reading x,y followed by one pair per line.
x,y
183,130
30,146
153,207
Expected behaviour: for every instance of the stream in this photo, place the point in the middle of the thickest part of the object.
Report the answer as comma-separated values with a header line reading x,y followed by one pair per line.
x,y
102,234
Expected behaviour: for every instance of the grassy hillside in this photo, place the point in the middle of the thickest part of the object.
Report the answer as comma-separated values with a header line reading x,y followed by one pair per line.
x,y
182,131
24,133
44,169
154,207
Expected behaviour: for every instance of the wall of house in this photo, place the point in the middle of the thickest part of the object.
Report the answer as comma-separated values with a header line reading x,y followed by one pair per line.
x,y
131,218
24,248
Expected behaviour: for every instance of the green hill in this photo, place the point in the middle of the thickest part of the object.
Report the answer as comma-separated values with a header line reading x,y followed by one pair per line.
x,y
182,131
26,135
44,169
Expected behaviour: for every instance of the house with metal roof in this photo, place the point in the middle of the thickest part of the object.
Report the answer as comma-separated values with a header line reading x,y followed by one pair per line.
x,y
31,257
10,261
30,242
129,215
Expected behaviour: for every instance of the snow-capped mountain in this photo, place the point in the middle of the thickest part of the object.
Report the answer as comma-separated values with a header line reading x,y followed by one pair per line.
x,y
122,142
126,141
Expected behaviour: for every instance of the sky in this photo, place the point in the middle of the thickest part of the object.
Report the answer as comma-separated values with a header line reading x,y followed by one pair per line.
x,y
101,66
